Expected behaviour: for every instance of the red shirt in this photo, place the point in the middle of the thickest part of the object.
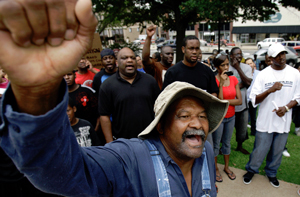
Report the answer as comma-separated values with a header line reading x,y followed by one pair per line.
x,y
156,69
229,92
4,84
86,79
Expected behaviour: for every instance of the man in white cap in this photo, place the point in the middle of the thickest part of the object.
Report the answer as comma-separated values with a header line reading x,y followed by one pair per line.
x,y
277,90
36,133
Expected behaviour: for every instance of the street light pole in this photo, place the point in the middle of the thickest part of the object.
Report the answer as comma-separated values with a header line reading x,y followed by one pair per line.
x,y
219,30
219,35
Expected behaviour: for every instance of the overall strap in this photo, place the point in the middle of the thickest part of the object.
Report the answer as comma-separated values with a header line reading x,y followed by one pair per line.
x,y
162,179
206,186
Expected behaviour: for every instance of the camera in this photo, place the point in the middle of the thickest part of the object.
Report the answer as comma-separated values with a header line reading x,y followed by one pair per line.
x,y
229,73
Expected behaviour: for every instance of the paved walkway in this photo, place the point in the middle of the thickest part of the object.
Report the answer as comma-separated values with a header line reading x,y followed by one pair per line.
x,y
259,187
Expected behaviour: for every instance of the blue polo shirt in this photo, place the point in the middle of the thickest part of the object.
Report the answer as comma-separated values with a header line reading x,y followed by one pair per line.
x,y
45,149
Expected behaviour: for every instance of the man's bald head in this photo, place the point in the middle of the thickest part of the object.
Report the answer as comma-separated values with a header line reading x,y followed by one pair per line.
x,y
123,50
166,48
127,63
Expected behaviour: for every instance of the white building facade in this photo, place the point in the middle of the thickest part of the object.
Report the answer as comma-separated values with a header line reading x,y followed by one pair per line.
x,y
284,24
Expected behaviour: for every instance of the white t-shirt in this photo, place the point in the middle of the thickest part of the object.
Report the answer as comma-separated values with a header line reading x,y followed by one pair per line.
x,y
268,121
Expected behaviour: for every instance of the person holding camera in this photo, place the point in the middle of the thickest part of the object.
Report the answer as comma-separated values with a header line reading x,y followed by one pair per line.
x,y
228,90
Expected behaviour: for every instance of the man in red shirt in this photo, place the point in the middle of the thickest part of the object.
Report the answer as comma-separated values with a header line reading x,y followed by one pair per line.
x,y
157,69
85,73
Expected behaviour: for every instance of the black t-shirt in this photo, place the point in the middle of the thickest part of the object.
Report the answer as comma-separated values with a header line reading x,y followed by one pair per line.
x,y
99,78
200,76
131,105
8,170
85,134
86,103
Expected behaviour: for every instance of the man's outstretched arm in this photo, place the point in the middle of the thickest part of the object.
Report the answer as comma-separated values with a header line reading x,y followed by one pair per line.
x,y
40,42
147,61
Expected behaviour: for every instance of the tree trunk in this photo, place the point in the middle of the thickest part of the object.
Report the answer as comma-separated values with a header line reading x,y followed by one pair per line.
x,y
181,25
179,39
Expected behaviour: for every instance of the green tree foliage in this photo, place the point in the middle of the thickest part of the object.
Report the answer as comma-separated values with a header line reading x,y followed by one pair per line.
x,y
178,14
134,47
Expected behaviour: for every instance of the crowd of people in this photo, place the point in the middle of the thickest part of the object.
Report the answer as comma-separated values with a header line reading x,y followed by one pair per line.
x,y
140,126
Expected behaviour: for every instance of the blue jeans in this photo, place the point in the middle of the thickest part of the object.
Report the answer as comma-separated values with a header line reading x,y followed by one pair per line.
x,y
223,134
270,145
252,117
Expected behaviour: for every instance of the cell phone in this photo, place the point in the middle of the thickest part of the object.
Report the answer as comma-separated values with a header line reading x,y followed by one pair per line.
x,y
229,73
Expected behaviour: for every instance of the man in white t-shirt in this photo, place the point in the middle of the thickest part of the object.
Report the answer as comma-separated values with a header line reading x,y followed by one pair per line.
x,y
279,84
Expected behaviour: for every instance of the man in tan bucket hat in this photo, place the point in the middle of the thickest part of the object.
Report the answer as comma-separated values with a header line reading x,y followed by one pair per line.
x,y
170,157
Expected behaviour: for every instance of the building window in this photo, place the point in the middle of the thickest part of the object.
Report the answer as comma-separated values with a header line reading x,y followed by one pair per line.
x,y
130,30
252,38
190,28
245,38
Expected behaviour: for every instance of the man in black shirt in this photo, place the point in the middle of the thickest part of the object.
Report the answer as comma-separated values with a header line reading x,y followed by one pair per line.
x,y
83,130
129,97
85,99
192,71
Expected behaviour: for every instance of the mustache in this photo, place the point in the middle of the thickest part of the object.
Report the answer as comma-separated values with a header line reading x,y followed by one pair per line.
x,y
189,132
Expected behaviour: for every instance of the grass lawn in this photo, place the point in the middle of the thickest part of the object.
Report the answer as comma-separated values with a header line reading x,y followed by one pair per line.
x,y
289,169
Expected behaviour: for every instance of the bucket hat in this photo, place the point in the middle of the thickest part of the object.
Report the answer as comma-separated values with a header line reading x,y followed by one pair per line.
x,y
215,108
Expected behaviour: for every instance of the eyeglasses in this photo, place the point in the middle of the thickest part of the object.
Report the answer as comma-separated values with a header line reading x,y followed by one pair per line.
x,y
221,53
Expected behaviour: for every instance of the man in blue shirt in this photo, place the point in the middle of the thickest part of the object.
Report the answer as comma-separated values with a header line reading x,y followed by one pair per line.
x,y
36,132
109,62
257,62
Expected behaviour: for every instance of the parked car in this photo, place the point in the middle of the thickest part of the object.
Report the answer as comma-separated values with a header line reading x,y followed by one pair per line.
x,y
294,44
268,42
139,41
223,43
291,57
297,49
171,43
293,50
203,43
159,40
291,43
230,44
142,41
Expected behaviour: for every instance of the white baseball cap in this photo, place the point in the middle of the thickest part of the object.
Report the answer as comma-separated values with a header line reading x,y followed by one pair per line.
x,y
275,49
216,109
